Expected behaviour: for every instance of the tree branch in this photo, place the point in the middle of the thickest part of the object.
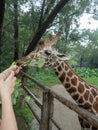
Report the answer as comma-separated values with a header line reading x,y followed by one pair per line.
x,y
41,16
45,25
51,3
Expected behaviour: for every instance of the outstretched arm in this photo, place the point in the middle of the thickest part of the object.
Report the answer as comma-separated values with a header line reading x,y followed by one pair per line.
x,y
8,121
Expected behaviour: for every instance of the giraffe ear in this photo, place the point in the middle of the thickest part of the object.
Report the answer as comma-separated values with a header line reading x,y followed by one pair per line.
x,y
67,58
63,57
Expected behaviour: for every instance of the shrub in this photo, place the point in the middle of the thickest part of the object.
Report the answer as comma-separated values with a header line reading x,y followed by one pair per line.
x,y
87,72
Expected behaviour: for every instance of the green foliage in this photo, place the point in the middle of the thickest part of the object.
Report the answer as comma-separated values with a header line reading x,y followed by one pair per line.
x,y
94,59
49,78
23,111
92,80
27,99
19,110
32,62
87,72
86,54
45,76
17,92
40,62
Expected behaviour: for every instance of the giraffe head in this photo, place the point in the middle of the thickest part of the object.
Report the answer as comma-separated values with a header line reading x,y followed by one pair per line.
x,y
53,57
48,43
47,51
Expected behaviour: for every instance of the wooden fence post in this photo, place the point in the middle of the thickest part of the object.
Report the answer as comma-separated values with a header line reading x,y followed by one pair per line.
x,y
47,111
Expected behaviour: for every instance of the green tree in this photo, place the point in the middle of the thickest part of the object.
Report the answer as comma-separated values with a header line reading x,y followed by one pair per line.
x,y
2,10
42,17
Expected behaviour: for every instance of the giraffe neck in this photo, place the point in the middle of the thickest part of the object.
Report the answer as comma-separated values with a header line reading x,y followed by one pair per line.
x,y
82,92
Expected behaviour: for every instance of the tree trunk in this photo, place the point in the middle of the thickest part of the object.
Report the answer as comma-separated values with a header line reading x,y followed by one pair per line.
x,y
49,5
16,47
45,25
81,62
2,10
41,14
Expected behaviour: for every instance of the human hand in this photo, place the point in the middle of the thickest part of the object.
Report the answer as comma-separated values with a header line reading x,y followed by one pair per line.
x,y
14,68
7,86
7,72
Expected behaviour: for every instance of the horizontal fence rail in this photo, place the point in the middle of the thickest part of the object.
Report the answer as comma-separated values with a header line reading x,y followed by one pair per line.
x,y
91,118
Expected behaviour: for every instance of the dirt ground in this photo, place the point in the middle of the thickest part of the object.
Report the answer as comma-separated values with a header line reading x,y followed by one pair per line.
x,y
66,118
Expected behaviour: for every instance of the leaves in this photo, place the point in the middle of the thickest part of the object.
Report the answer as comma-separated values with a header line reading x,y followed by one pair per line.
x,y
87,72
27,99
32,62
17,92
14,100
14,63
41,63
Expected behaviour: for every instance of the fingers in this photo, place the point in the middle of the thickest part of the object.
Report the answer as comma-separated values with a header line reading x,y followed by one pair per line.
x,y
2,76
5,74
15,68
11,76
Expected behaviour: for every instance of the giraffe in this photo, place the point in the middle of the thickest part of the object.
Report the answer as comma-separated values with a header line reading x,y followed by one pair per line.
x,y
84,94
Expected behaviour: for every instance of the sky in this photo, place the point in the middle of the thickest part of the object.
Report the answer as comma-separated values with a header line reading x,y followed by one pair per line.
x,y
87,22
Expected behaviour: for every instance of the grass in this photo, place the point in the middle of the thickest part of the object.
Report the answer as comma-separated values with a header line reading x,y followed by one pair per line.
x,y
45,76
92,80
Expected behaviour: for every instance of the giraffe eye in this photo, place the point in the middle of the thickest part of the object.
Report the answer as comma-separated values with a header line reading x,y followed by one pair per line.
x,y
47,52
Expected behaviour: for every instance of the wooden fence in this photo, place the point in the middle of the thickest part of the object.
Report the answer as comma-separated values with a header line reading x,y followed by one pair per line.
x,y
46,120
